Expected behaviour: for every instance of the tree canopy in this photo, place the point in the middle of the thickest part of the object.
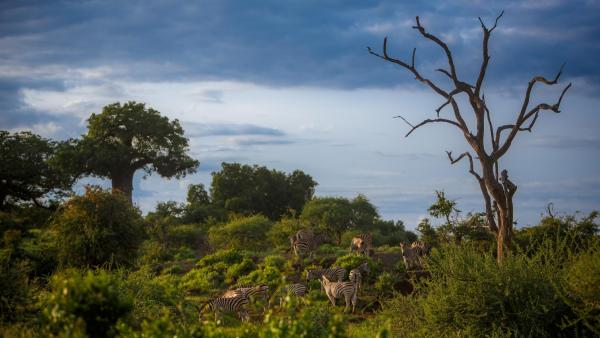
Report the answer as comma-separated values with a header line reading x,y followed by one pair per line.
x,y
26,169
126,138
245,190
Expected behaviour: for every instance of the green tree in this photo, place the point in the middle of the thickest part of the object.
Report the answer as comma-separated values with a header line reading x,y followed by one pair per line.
x,y
364,214
334,214
428,234
129,137
246,190
98,228
26,169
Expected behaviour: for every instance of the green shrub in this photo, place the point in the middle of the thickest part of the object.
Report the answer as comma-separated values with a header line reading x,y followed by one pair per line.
x,y
317,320
582,291
216,270
14,288
190,235
91,301
384,283
470,293
280,232
248,233
352,261
98,228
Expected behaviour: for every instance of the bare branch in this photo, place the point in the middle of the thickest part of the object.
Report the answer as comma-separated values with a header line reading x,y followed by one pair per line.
x,y
460,157
424,122
525,115
411,68
486,57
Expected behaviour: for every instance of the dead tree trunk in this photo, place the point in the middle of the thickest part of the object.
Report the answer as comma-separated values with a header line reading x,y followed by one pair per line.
x,y
496,188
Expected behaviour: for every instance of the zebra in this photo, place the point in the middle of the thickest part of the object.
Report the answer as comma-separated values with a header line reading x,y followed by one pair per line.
x,y
411,257
356,274
249,291
334,274
236,304
298,290
335,290
301,234
303,246
362,244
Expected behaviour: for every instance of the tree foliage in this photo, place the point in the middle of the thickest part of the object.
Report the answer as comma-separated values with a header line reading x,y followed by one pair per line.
x,y
27,171
98,228
129,137
246,190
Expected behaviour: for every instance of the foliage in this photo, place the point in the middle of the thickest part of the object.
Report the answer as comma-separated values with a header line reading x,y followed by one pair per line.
x,y
14,287
333,214
246,190
269,272
581,290
90,300
579,231
126,138
364,214
468,290
428,234
217,270
351,261
310,321
248,233
27,171
97,228
282,230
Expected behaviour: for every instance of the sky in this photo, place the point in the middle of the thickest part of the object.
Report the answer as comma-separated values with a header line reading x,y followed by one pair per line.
x,y
290,85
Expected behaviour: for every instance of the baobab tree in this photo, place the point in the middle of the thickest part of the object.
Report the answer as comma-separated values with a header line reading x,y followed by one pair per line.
x,y
496,187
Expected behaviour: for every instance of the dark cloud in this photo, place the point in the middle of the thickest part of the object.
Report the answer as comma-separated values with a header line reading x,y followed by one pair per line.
x,y
228,129
298,42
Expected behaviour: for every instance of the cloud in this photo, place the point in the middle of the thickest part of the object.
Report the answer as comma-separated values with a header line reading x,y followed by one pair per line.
x,y
229,129
565,142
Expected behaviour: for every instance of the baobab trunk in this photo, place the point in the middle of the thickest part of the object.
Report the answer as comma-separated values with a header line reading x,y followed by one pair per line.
x,y
122,181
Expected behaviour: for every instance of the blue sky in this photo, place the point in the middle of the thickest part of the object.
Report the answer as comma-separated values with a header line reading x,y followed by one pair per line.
x,y
290,85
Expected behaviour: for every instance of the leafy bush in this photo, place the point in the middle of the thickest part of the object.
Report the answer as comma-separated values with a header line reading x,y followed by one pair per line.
x,y
98,228
582,291
469,293
351,261
280,232
14,288
190,235
91,301
248,233
216,270
385,282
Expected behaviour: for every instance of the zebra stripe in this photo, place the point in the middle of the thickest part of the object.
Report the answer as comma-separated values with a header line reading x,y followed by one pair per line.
x,y
335,290
362,244
334,274
304,246
249,291
235,304
356,274
298,290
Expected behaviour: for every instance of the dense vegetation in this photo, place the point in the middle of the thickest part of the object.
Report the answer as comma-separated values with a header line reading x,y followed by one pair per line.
x,y
92,265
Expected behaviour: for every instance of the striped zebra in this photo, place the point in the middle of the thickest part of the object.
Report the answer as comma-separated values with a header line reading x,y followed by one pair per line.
x,y
411,257
305,246
334,274
356,275
298,290
249,291
301,234
362,244
236,304
334,290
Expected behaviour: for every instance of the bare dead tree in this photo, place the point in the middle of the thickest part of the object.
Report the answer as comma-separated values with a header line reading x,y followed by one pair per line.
x,y
496,187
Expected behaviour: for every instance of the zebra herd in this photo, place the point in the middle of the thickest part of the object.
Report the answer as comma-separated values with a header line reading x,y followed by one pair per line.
x,y
304,242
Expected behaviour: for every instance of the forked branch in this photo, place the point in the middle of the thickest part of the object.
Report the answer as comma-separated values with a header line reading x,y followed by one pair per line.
x,y
426,121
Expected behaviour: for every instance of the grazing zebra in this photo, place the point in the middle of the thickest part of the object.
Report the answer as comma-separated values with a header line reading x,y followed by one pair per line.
x,y
298,290
301,234
304,246
356,274
335,290
411,257
362,244
249,291
333,274
236,304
